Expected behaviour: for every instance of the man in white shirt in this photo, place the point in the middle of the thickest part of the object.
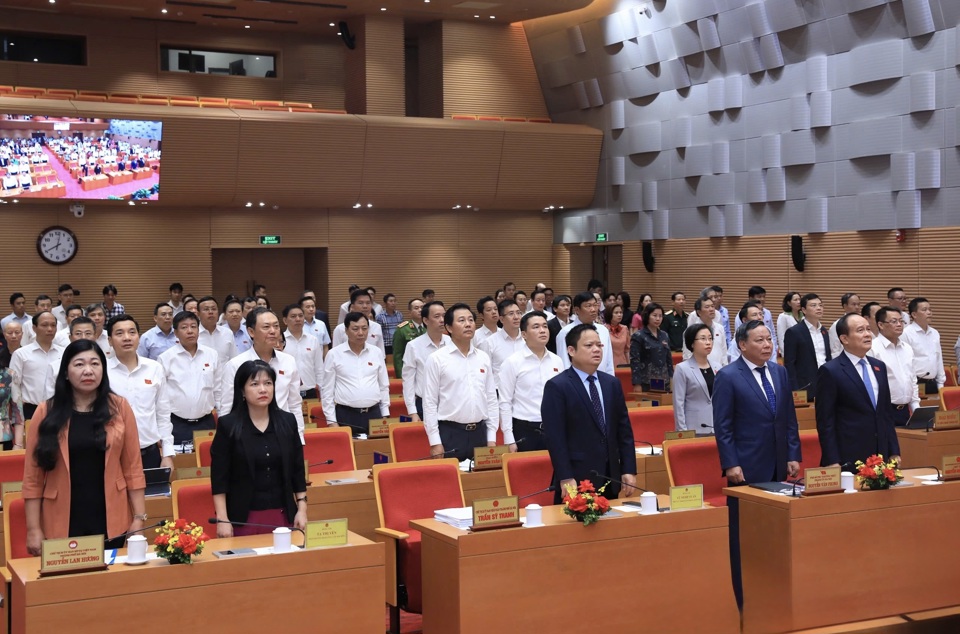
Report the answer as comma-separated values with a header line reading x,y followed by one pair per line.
x,y
758,294
192,382
214,336
489,320
460,410
176,297
538,302
507,340
377,308
97,313
850,304
305,348
264,330
522,377
898,299
161,337
355,385
345,306
140,381
65,295
415,357
28,365
312,324
925,341
19,314
548,302
62,338
42,303
585,307
705,313
360,303
233,319
522,300
890,348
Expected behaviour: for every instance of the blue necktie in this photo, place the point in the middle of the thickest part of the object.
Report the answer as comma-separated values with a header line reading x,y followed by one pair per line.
x,y
771,395
866,381
597,406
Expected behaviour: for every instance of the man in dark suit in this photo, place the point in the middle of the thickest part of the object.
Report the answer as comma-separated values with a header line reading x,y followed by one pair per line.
x,y
806,346
756,425
586,422
855,416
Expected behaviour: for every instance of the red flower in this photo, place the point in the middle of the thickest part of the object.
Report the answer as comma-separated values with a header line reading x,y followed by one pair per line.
x,y
867,472
586,486
890,475
577,504
874,460
180,524
602,504
161,540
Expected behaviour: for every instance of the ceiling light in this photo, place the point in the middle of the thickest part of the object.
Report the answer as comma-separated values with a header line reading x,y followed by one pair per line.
x,y
493,17
369,205
249,204
163,10
246,26
132,204
332,24
383,8
261,204
35,59
476,16
357,206
53,1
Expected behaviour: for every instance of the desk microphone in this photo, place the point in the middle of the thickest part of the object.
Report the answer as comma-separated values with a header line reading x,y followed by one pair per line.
x,y
709,433
128,533
653,450
627,502
214,520
549,489
930,466
794,493
437,457
318,464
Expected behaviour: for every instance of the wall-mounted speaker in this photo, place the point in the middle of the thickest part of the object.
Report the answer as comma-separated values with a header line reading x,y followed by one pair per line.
x,y
348,39
648,259
796,252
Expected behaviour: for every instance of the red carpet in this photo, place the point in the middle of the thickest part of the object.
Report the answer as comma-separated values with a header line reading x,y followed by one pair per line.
x,y
409,623
74,190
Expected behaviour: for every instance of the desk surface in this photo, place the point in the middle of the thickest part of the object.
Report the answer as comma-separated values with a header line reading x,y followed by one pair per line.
x,y
830,559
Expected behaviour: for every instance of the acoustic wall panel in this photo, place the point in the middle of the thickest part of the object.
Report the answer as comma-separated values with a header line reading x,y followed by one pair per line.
x,y
716,189
816,68
928,169
611,29
908,210
771,151
770,53
733,219
631,197
682,132
759,23
618,170
686,40
816,215
874,62
821,109
650,196
776,183
799,113
616,111
661,224
644,138
756,187
594,98
876,211
733,92
715,221
919,17
750,52
691,10
923,92
575,38
902,171
698,160
784,15
721,157
709,35
797,148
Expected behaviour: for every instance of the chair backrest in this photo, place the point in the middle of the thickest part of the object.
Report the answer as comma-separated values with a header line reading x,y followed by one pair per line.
x,y
11,465
330,443
414,490
396,387
696,461
809,449
626,381
528,472
408,441
651,423
193,501
202,451
316,416
949,398
951,373
14,527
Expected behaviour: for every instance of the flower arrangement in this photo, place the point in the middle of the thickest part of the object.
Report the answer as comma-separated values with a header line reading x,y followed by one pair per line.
x,y
586,504
179,541
876,474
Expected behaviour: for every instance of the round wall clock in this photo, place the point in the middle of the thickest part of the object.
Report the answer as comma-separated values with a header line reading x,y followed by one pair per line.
x,y
57,245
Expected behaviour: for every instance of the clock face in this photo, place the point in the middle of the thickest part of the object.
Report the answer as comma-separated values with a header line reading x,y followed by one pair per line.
x,y
57,245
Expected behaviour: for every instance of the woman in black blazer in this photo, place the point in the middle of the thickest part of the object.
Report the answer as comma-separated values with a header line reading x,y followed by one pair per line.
x,y
256,468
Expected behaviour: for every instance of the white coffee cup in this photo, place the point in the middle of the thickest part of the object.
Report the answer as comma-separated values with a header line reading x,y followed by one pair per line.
x,y
648,502
136,549
534,515
281,539
847,481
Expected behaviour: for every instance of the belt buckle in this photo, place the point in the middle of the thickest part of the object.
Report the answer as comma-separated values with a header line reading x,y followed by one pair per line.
x,y
470,426
364,410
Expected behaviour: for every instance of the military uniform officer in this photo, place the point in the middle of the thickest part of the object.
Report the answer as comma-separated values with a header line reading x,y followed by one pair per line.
x,y
406,332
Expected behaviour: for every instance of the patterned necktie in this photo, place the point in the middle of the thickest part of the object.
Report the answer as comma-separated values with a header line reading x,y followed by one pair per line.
x,y
597,406
771,395
866,381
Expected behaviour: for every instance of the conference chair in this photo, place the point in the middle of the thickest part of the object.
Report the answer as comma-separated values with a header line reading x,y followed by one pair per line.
x,y
14,527
809,450
396,387
193,501
949,398
650,424
696,461
331,443
626,382
202,452
11,465
299,104
408,441
316,416
397,407
410,491
951,372
528,472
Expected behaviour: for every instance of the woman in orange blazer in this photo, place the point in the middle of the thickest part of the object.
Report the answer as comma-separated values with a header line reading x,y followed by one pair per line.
x,y
82,473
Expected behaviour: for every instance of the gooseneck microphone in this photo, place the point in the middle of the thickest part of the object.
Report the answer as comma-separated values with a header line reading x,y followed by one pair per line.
x,y
214,520
626,502
318,464
549,489
653,450
436,457
129,533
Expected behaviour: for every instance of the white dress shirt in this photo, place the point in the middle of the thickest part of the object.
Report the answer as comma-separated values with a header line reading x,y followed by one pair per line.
x,y
61,314
309,355
191,384
142,387
522,377
286,388
354,380
818,345
29,367
414,364
460,388
499,347
221,340
481,335
786,321
768,322
318,329
900,371
62,338
374,336
344,310
927,355
874,384
606,363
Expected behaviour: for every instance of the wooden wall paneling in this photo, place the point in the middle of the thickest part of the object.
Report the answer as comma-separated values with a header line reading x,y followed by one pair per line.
x,y
431,70
572,268
488,70
385,84
241,228
316,273
312,70
543,165
200,154
318,159
939,250
235,271
355,70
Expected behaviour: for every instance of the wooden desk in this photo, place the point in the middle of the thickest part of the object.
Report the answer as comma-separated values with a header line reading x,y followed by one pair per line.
x,y
806,417
247,594
920,448
652,473
535,578
363,450
811,562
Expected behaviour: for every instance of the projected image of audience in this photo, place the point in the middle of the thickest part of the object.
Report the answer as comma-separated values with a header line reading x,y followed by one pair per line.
x,y
74,158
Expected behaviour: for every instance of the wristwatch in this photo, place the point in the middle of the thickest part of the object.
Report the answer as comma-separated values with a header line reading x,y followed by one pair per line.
x,y
303,499
143,517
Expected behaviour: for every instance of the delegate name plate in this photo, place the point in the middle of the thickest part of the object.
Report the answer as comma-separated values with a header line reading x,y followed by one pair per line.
x,y
203,434
189,473
800,397
679,435
821,480
947,420
686,497
496,512
71,554
324,533
489,457
380,427
951,467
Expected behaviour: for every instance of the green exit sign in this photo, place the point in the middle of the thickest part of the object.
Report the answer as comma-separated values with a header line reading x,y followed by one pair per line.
x,y
601,237
270,240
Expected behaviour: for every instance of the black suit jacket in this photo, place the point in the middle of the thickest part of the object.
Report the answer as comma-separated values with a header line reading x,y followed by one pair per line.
x,y
850,428
232,470
799,357
554,326
575,439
